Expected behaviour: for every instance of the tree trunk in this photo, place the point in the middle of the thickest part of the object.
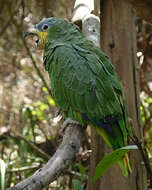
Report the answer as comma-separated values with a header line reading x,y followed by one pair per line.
x,y
118,41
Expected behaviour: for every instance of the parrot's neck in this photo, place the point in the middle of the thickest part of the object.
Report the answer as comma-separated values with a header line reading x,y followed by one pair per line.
x,y
63,35
60,37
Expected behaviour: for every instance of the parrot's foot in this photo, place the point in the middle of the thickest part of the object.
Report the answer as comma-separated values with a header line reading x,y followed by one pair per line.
x,y
69,121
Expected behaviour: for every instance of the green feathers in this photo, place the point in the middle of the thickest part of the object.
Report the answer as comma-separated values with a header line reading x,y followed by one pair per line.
x,y
85,85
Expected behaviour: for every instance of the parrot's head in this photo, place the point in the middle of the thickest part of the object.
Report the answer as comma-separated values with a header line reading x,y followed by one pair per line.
x,y
51,29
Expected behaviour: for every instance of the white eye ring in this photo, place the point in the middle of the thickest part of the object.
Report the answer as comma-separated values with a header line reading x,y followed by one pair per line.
x,y
45,27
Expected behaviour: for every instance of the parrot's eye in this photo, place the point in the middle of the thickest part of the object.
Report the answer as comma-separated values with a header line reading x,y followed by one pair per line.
x,y
45,27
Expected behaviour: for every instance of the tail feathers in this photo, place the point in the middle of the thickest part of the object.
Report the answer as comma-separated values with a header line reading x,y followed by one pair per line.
x,y
113,143
125,165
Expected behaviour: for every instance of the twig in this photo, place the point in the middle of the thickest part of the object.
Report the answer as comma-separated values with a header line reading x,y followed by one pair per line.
x,y
29,52
32,59
144,157
56,165
143,153
31,144
76,174
23,169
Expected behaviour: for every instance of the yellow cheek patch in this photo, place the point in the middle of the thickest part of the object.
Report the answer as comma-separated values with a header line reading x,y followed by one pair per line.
x,y
42,36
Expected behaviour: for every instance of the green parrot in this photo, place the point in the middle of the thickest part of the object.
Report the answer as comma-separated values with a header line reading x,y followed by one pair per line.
x,y
84,83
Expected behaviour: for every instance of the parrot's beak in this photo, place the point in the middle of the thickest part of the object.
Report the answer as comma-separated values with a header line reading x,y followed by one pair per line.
x,y
41,36
32,31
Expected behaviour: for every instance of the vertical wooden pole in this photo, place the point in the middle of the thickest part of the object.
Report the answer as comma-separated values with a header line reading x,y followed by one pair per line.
x,y
118,41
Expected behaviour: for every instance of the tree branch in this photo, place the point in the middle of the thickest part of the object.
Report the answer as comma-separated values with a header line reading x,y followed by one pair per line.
x,y
61,160
22,169
31,144
64,154
34,147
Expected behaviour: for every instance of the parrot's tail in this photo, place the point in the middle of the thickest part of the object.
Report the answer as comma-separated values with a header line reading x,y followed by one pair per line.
x,y
124,162
125,165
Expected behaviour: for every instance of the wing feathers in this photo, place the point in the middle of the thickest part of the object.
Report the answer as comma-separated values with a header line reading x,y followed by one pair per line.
x,y
81,83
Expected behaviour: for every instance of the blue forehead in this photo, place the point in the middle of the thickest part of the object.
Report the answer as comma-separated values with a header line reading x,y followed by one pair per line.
x,y
48,21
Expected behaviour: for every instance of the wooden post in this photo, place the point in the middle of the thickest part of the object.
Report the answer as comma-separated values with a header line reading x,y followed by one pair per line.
x,y
118,41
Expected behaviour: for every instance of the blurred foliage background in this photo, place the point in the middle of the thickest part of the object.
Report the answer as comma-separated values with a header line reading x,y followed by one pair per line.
x,y
29,119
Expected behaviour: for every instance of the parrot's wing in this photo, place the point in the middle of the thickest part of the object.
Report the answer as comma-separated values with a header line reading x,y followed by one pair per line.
x,y
86,90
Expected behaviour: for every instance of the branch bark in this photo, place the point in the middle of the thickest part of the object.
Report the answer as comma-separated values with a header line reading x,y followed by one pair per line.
x,y
60,161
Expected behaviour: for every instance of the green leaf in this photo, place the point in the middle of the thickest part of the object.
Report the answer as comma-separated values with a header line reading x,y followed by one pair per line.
x,y
110,159
77,185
